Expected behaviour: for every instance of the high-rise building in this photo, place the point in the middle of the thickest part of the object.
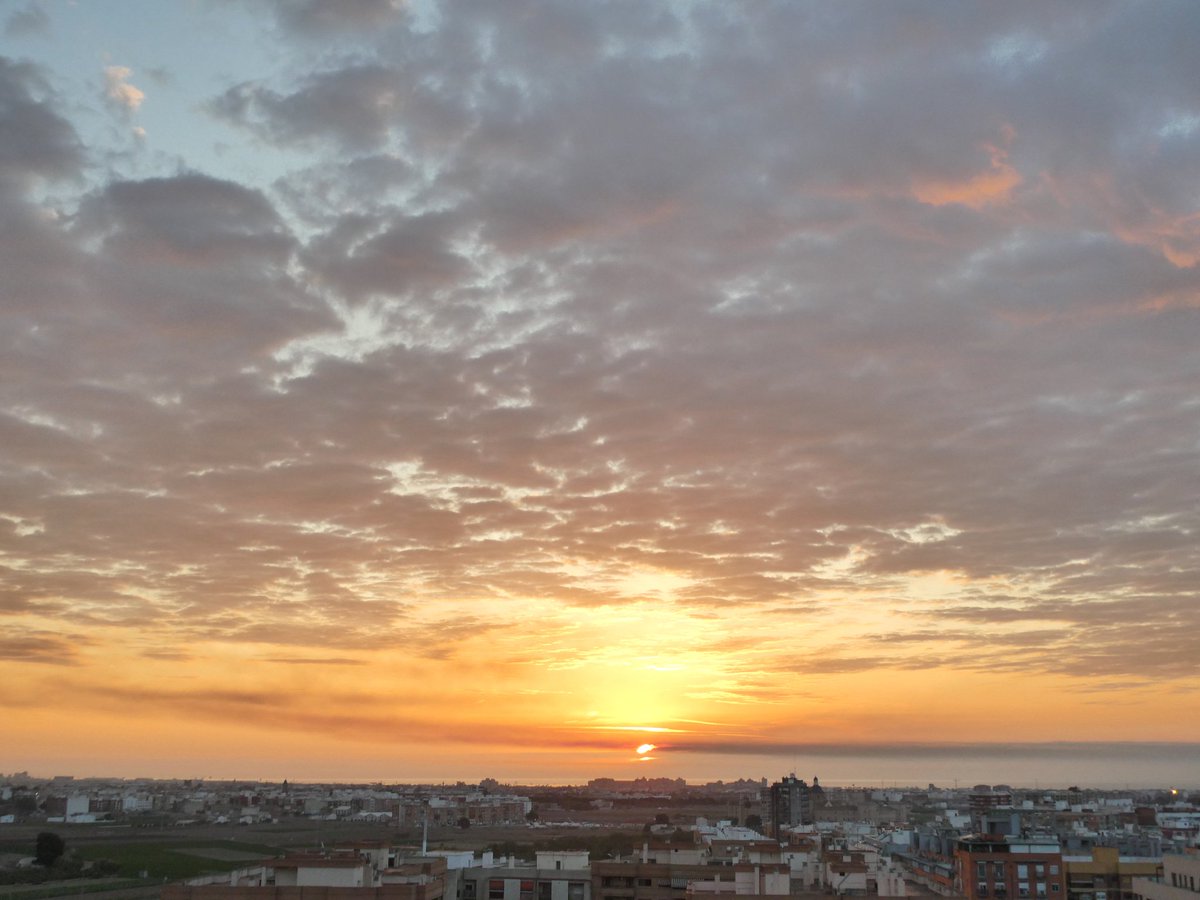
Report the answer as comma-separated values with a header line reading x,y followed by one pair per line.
x,y
789,803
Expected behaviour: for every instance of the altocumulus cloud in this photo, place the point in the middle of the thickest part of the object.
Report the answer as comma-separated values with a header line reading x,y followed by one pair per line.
x,y
708,307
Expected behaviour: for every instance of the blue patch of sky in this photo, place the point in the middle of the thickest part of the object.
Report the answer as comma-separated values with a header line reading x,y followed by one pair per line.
x,y
181,55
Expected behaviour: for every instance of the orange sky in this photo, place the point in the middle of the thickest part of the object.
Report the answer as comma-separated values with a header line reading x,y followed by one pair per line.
x,y
548,694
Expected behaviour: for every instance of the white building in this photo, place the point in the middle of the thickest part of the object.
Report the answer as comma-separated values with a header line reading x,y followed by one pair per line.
x,y
322,873
555,875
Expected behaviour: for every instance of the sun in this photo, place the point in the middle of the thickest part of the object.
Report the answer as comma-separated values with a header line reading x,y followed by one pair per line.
x,y
643,749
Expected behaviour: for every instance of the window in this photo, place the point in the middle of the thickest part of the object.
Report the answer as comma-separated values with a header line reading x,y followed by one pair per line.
x,y
468,891
1040,870
981,889
526,889
1041,888
1023,889
1054,888
1053,869
1022,871
544,889
496,889
981,869
575,890
644,882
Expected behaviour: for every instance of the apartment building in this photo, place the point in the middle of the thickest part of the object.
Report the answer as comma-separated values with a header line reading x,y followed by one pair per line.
x,y
789,802
561,875
1107,875
993,867
1180,879
675,873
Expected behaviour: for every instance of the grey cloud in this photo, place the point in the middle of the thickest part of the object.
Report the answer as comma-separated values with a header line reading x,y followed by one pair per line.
x,y
173,272
357,106
35,140
1124,751
360,257
31,20
320,18
192,218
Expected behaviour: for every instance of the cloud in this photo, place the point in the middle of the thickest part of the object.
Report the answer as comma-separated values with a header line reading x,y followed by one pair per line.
x,y
191,218
37,140
119,91
31,20
317,18
1126,752
26,646
994,185
321,661
355,105
804,344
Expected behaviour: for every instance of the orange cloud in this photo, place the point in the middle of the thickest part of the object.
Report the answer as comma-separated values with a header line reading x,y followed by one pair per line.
x,y
992,187
118,89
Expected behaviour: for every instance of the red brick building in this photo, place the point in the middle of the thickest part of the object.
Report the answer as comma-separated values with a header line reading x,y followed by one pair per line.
x,y
992,867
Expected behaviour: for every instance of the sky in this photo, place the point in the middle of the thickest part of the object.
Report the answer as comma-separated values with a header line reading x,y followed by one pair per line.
x,y
442,390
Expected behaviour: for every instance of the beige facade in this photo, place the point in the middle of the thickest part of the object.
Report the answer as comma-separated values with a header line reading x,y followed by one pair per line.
x,y
1180,879
1106,875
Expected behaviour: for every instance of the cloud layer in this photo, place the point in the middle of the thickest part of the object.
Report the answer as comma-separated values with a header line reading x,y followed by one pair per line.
x,y
849,339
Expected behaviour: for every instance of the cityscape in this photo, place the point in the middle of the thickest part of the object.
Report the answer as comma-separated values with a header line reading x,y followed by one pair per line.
x,y
609,839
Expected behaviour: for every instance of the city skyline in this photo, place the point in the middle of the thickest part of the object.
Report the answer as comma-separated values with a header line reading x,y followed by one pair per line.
x,y
504,389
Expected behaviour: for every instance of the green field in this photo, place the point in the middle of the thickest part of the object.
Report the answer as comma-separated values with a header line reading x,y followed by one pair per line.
x,y
71,888
168,859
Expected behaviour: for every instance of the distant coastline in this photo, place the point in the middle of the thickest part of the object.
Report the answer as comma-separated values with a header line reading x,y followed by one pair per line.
x,y
1109,765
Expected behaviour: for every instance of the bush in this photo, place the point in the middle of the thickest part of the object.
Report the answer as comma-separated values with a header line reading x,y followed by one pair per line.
x,y
103,868
49,848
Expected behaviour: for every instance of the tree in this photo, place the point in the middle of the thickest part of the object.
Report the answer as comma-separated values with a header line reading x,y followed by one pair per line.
x,y
49,848
754,822
662,819
464,823
531,816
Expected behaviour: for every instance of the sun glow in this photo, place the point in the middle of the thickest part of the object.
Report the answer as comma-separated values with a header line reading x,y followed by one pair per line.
x,y
644,749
